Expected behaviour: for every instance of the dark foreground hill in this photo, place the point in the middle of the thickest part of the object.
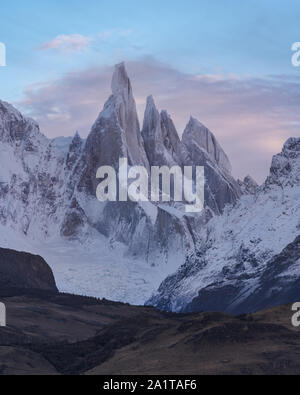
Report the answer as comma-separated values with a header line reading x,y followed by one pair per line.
x,y
51,333
24,270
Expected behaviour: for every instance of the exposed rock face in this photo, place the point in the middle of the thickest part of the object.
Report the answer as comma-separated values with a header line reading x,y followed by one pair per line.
x,y
114,135
197,138
248,258
171,138
285,168
13,126
202,149
278,284
31,175
160,137
199,147
125,109
74,151
23,270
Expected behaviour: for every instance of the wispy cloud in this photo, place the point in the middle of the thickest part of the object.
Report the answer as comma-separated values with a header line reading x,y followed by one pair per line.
x,y
78,42
250,117
72,43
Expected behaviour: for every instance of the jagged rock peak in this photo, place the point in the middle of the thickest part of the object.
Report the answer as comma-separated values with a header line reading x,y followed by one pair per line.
x,y
151,118
161,141
124,107
285,168
14,127
6,108
195,132
292,144
171,138
76,141
9,112
120,79
168,123
76,136
115,134
151,103
248,186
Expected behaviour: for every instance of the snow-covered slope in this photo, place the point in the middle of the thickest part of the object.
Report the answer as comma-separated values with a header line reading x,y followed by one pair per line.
x,y
32,176
248,258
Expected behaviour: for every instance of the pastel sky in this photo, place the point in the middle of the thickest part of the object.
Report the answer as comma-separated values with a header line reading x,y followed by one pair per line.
x,y
226,62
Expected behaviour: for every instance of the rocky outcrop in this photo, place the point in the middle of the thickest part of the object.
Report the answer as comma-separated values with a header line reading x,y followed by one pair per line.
x,y
248,186
22,270
74,151
285,168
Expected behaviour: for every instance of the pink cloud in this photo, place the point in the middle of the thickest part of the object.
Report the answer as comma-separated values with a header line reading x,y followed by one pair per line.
x,y
72,42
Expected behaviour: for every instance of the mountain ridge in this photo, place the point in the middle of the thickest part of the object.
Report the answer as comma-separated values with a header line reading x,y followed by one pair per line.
x,y
229,271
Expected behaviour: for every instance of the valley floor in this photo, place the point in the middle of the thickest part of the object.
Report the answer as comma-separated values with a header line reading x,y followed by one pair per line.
x,y
66,334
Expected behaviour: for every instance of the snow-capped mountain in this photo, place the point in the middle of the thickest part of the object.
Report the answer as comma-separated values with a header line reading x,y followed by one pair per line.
x,y
248,258
117,250
240,253
32,175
